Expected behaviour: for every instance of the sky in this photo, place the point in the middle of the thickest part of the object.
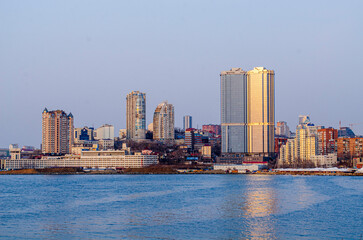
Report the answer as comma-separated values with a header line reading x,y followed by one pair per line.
x,y
85,56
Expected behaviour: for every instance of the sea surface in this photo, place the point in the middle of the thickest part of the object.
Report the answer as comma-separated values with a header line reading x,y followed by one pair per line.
x,y
180,207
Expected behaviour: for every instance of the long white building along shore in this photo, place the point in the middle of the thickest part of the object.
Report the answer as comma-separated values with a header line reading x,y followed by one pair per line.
x,y
88,159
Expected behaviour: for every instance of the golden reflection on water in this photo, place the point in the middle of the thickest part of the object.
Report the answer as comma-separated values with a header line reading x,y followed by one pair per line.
x,y
260,198
254,203
260,205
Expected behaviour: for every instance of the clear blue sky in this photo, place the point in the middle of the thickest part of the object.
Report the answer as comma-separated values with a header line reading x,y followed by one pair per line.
x,y
85,56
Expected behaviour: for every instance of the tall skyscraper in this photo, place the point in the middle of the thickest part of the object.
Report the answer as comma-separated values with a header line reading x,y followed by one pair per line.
x,y
248,111
163,122
234,111
136,115
261,110
187,122
57,132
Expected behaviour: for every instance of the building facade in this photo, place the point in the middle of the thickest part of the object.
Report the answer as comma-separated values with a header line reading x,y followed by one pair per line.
x,y
214,128
327,160
261,110
304,146
234,111
57,132
282,129
106,131
327,138
187,122
136,115
248,111
83,134
349,148
98,159
163,122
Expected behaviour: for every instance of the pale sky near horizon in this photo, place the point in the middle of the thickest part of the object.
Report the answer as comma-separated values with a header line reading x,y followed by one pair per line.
x,y
85,56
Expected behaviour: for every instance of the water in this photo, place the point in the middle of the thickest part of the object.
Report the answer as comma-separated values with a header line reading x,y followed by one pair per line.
x,y
180,207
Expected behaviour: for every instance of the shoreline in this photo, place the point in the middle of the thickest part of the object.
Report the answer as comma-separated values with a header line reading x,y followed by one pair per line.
x,y
78,171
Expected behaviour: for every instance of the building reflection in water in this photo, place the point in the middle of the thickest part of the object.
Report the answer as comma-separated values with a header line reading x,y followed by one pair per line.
x,y
252,206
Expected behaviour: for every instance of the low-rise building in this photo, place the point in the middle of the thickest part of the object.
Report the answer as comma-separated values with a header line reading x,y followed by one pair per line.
x,y
206,151
88,159
242,168
328,160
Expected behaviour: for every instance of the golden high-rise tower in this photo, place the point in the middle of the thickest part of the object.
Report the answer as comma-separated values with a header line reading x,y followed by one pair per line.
x,y
261,110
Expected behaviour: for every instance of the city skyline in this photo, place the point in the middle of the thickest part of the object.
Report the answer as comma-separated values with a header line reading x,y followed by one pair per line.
x,y
52,50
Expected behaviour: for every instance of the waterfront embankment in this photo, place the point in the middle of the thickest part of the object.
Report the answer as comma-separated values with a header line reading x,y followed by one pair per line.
x,y
172,170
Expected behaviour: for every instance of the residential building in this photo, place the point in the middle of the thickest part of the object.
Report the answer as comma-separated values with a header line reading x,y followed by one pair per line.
x,y
349,148
214,128
327,160
279,141
234,111
136,115
248,111
193,139
105,136
57,132
106,131
187,122
163,122
189,137
287,153
206,151
261,110
327,138
305,145
282,129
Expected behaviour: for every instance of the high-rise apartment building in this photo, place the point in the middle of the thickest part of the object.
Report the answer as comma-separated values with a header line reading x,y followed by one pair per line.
x,y
305,145
261,110
187,122
234,111
57,132
282,129
136,115
248,111
327,138
163,122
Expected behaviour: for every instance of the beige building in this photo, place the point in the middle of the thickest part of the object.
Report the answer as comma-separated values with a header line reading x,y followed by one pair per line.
x,y
287,153
328,160
261,110
307,144
163,122
106,131
303,146
136,115
206,151
57,132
